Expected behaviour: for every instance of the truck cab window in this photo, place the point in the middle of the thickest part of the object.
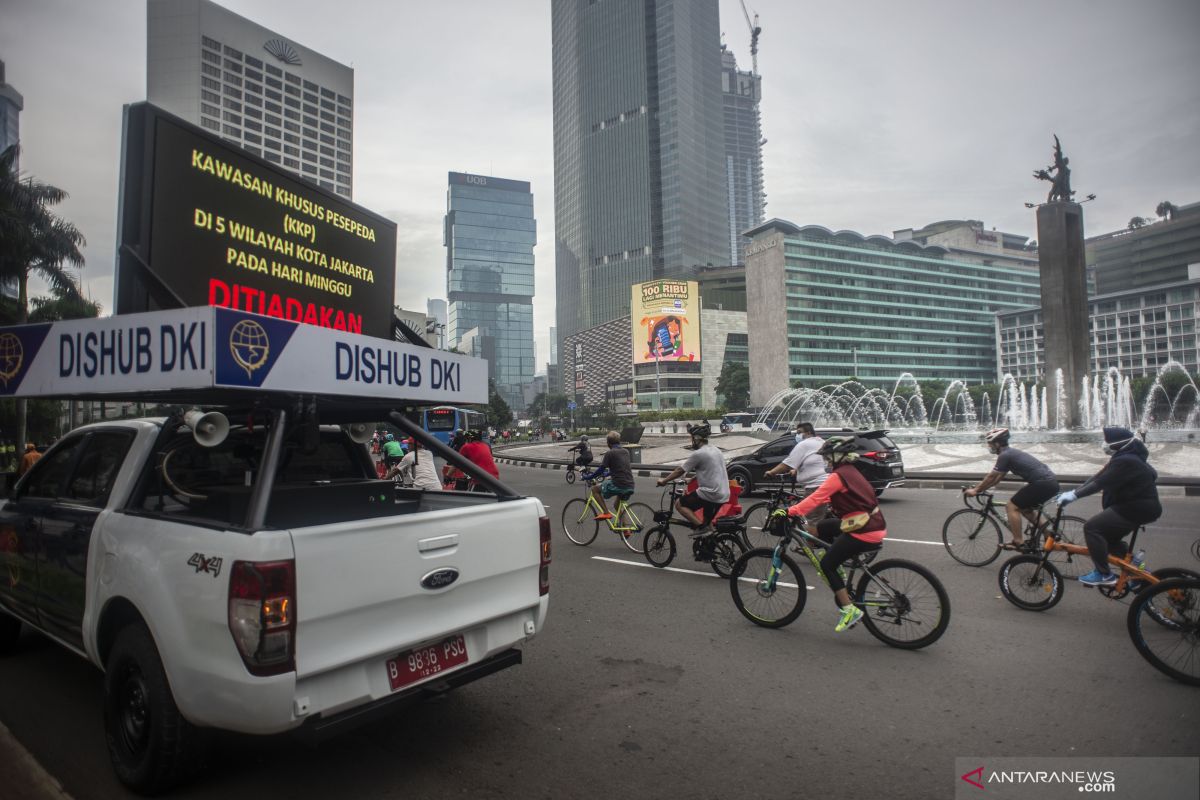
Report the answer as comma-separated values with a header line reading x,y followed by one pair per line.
x,y
98,467
49,476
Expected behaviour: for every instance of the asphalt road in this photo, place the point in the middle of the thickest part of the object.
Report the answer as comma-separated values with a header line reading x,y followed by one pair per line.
x,y
649,684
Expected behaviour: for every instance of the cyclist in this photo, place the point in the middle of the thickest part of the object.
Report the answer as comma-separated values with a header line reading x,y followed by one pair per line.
x,y
392,451
614,465
804,462
856,527
585,452
477,451
1129,499
417,471
712,482
1040,483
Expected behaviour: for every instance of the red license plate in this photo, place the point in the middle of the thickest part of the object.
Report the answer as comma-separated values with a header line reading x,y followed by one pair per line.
x,y
422,662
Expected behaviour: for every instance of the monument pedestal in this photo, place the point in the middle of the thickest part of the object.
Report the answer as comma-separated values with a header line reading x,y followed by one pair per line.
x,y
1063,269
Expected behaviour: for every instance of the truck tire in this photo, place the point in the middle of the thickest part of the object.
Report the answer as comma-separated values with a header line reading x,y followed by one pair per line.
x,y
151,745
10,632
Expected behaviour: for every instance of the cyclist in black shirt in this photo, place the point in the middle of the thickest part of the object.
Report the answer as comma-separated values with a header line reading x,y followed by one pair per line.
x,y
1040,483
1129,499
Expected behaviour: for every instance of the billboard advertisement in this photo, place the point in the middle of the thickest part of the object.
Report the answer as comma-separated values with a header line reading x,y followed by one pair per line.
x,y
207,223
665,315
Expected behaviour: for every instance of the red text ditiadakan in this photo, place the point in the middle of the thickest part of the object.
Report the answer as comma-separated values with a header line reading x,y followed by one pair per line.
x,y
257,301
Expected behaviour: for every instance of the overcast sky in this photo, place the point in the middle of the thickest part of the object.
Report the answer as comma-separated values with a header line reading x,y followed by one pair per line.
x,y
880,114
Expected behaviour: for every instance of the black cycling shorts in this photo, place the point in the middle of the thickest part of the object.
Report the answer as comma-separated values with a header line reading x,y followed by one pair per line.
x,y
695,502
1032,495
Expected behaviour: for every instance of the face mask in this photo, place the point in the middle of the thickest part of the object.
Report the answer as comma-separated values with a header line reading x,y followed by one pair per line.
x,y
1116,447
799,438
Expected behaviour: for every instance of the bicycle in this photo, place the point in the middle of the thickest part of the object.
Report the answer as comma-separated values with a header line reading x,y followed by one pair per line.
x,y
719,548
1033,583
629,520
975,535
900,599
1164,625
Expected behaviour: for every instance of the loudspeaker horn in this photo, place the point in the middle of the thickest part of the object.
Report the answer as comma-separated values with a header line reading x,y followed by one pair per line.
x,y
209,429
359,432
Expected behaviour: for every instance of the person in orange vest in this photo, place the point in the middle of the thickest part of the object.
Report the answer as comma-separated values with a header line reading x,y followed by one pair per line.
x,y
29,459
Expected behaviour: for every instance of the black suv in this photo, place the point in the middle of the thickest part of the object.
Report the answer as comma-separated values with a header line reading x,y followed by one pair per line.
x,y
879,460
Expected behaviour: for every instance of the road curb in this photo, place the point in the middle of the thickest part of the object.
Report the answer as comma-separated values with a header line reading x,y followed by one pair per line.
x,y
22,777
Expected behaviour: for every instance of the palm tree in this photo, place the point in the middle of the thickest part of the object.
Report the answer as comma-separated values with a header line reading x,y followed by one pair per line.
x,y
1166,209
34,240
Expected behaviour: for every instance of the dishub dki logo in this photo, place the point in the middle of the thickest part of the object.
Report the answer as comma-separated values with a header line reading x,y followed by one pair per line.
x,y
249,345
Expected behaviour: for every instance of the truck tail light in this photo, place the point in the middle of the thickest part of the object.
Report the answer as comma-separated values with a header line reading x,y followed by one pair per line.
x,y
262,615
544,545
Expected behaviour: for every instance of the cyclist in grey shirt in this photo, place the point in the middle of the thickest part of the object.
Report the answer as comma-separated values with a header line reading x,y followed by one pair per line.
x,y
712,482
1040,483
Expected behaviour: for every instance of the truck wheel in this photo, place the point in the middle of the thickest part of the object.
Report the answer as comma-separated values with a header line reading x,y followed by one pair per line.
x,y
151,745
10,632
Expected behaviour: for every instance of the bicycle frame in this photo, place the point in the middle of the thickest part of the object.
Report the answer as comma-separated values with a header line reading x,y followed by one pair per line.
x,y
804,539
620,512
991,509
1127,570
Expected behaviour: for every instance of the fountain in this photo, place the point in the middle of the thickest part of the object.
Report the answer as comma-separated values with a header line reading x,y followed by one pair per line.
x,y
1106,398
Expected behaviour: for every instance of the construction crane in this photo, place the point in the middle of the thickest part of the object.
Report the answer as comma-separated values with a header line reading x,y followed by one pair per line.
x,y
755,30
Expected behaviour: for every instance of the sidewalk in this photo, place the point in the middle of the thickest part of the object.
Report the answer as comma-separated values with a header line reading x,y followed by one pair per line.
x,y
21,776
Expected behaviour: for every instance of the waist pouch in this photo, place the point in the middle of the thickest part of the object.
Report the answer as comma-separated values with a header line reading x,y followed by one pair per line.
x,y
858,520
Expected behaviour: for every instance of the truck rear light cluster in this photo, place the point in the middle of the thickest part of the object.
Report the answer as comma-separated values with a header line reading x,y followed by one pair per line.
x,y
544,544
262,615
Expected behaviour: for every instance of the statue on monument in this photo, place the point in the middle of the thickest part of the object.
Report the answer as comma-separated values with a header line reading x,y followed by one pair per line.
x,y
1060,180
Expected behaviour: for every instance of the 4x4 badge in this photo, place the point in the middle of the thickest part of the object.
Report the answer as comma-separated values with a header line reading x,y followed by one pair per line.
x,y
203,564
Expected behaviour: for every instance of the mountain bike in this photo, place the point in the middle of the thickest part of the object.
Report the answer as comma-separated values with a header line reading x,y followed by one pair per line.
x,y
757,533
629,520
1032,581
975,535
719,548
904,604
1164,625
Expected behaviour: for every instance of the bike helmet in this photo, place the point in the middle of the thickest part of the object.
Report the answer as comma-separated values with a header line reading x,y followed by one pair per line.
x,y
839,449
702,431
390,437
583,439
474,435
997,435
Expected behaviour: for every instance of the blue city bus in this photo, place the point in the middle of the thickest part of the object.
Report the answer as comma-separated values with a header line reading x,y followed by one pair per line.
x,y
442,421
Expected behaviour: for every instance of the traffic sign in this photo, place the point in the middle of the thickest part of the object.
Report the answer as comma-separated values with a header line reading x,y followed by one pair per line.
x,y
571,406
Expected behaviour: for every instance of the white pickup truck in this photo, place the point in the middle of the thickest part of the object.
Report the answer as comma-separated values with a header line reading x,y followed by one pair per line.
x,y
260,580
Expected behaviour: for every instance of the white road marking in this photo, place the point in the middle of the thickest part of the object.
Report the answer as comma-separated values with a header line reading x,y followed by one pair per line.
x,y
909,541
678,569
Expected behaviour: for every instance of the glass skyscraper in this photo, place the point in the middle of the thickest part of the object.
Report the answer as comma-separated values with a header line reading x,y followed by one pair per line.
x,y
741,93
489,236
639,150
11,104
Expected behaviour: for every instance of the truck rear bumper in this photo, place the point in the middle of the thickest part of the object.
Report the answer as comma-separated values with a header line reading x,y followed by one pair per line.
x,y
319,728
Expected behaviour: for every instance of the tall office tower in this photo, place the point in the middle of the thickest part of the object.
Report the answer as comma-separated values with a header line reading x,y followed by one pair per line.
x,y
639,167
489,236
437,310
277,99
553,345
11,104
741,93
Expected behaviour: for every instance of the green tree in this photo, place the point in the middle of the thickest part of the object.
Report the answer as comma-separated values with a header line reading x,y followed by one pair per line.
x,y
499,415
1138,222
734,385
35,242
1167,210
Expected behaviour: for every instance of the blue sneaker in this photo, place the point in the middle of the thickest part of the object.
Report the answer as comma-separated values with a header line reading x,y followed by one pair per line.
x,y
1098,578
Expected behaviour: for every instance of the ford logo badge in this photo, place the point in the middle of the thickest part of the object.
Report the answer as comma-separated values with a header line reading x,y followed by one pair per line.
x,y
440,578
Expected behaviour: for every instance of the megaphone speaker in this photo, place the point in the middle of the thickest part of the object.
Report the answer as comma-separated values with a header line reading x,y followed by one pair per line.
x,y
209,429
359,432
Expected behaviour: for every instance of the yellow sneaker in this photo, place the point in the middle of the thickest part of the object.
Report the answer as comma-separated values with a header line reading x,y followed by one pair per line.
x,y
850,617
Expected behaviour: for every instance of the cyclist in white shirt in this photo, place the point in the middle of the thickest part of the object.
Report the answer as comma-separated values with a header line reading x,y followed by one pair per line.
x,y
805,460
419,470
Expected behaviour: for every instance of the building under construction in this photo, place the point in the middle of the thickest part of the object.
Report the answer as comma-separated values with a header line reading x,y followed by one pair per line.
x,y
740,94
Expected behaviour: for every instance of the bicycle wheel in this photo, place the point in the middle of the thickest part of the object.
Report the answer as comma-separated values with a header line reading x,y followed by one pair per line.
x,y
1029,583
1071,565
1162,615
659,546
971,537
631,525
765,596
727,549
1172,643
578,523
904,605
755,535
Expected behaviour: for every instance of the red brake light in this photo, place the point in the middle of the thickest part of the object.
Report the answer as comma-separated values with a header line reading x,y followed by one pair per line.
x,y
262,615
544,547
